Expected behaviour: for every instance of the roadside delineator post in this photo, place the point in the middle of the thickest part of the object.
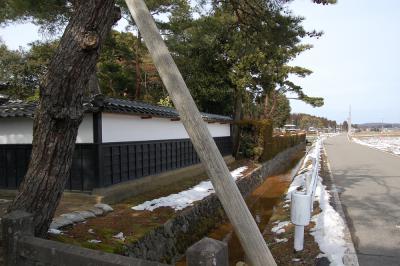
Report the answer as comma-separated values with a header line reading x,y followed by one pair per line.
x,y
225,187
300,213
302,203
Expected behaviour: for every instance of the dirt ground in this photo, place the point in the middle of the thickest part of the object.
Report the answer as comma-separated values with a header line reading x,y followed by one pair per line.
x,y
133,224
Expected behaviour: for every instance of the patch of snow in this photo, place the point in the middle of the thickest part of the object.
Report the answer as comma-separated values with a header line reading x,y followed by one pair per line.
x,y
54,231
119,236
94,241
281,240
279,228
384,143
329,228
187,197
296,260
298,182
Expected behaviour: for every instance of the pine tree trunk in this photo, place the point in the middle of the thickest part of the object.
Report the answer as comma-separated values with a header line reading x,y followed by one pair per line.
x,y
93,85
60,110
266,106
273,105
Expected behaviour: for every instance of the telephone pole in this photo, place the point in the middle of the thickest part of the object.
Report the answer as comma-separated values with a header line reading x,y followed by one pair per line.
x,y
349,122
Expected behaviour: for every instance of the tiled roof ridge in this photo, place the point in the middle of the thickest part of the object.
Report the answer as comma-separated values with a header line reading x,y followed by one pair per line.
x,y
112,105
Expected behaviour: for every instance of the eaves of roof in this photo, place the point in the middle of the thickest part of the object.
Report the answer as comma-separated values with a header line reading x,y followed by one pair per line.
x,y
109,105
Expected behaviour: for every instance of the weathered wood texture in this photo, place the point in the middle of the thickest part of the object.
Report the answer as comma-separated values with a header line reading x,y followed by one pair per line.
x,y
60,110
226,189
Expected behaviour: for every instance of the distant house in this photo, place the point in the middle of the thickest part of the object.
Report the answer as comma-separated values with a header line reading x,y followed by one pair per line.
x,y
118,141
290,128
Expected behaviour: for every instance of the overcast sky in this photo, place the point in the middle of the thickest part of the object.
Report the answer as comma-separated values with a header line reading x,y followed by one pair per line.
x,y
355,62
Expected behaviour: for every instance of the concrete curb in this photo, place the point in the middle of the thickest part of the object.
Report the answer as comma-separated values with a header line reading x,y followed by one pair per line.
x,y
350,257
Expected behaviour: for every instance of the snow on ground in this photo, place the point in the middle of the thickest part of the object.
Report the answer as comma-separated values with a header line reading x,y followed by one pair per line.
x,y
384,143
94,241
120,236
281,240
280,227
329,226
306,169
54,231
187,197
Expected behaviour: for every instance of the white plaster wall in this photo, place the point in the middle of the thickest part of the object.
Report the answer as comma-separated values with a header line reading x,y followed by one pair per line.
x,y
123,127
19,130
85,130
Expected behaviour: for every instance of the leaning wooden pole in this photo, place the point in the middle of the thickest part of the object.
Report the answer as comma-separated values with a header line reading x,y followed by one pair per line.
x,y
228,193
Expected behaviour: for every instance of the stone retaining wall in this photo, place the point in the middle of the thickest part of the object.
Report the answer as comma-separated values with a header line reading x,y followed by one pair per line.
x,y
169,242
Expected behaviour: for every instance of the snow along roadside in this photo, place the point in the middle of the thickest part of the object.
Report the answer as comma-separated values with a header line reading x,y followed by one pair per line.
x,y
390,145
187,197
329,226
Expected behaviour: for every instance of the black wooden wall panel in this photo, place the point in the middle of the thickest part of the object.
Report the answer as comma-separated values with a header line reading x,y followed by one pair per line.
x,y
14,160
120,161
132,160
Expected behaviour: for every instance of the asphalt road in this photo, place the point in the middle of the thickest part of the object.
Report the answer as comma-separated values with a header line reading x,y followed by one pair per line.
x,y
368,181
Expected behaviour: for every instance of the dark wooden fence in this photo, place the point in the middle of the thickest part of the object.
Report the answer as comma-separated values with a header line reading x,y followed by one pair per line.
x,y
14,160
102,165
127,161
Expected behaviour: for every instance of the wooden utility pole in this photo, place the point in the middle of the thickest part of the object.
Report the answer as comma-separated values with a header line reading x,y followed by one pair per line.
x,y
228,193
138,80
349,123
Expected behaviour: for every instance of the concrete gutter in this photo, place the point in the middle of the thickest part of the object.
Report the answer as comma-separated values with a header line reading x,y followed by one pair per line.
x,y
118,192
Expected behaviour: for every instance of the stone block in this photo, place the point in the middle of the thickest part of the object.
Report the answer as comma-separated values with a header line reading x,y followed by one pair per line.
x,y
73,216
59,222
208,252
96,211
86,214
15,225
104,207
